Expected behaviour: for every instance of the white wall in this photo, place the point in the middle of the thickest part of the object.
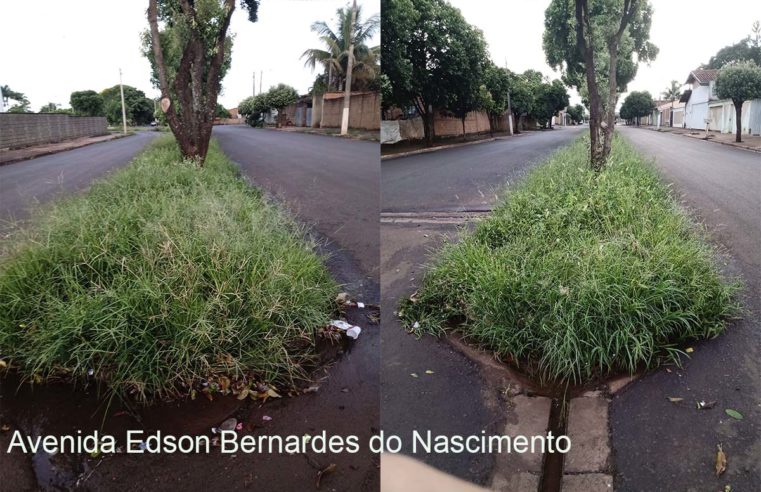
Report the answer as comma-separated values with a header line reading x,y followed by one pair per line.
x,y
696,110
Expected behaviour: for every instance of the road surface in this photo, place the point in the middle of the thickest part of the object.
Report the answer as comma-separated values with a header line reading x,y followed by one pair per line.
x,y
662,446
458,398
329,182
25,184
468,177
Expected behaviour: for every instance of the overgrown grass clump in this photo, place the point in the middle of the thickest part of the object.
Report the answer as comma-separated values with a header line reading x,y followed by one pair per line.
x,y
160,277
577,275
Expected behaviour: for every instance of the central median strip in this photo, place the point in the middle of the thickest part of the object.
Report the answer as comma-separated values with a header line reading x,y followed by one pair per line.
x,y
578,275
163,280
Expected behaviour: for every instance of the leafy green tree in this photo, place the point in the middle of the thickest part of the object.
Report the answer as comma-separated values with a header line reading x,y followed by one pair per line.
x,y
334,54
87,103
636,105
576,113
494,93
522,88
427,57
253,108
748,49
397,23
221,112
50,107
279,97
189,61
138,107
468,57
739,82
597,45
22,103
550,98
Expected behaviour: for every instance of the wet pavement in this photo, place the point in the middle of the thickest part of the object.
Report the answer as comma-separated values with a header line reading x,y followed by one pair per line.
x,y
25,184
293,168
659,445
423,196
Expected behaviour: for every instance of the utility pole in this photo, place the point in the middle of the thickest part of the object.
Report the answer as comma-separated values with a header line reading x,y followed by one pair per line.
x,y
254,83
349,68
124,110
261,77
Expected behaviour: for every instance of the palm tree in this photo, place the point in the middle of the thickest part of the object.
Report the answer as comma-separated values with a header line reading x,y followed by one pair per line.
x,y
334,55
672,94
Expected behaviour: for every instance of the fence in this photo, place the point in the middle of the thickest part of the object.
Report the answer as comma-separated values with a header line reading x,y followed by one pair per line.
x,y
364,110
19,130
476,122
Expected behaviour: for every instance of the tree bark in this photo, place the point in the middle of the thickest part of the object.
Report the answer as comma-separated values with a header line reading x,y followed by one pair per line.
x,y
196,96
602,118
738,117
463,128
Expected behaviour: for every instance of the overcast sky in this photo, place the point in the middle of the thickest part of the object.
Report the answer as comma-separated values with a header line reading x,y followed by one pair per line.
x,y
688,33
50,48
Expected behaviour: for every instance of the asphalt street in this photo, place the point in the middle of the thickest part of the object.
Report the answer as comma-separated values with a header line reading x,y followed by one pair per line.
x,y
328,182
468,177
659,445
459,397
26,184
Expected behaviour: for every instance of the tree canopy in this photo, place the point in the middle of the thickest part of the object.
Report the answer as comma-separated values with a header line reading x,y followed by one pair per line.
x,y
277,97
636,105
88,103
138,107
428,51
189,58
747,49
739,82
597,45
22,102
576,113
333,56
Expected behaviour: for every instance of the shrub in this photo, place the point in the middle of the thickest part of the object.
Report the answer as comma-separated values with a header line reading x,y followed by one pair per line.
x,y
577,275
161,277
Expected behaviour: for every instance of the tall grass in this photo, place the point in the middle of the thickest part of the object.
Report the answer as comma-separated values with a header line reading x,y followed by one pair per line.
x,y
160,277
577,275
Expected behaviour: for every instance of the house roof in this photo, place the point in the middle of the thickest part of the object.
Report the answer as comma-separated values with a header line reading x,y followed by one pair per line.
x,y
702,75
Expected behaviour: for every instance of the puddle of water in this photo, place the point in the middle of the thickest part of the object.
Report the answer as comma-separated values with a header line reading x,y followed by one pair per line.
x,y
62,409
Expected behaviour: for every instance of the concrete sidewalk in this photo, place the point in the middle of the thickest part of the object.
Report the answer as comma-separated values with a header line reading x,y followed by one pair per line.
x,y
9,156
749,142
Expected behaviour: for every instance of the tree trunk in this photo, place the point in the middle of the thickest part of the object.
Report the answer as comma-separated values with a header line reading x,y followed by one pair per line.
x,y
516,121
428,129
463,129
738,117
195,94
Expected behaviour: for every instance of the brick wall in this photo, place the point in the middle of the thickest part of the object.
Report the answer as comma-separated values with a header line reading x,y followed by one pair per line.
x,y
24,129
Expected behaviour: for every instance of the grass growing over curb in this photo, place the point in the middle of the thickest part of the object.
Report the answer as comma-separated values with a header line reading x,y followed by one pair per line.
x,y
577,275
160,277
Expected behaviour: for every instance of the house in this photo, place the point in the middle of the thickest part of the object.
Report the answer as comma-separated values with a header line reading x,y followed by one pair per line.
x,y
697,98
703,109
668,113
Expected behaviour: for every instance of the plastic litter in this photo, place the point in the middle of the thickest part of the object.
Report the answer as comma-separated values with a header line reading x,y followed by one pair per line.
x,y
266,418
361,305
350,330
228,424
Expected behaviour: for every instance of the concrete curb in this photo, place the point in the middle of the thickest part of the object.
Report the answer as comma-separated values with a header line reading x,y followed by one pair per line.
x,y
335,135
443,147
728,144
56,151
